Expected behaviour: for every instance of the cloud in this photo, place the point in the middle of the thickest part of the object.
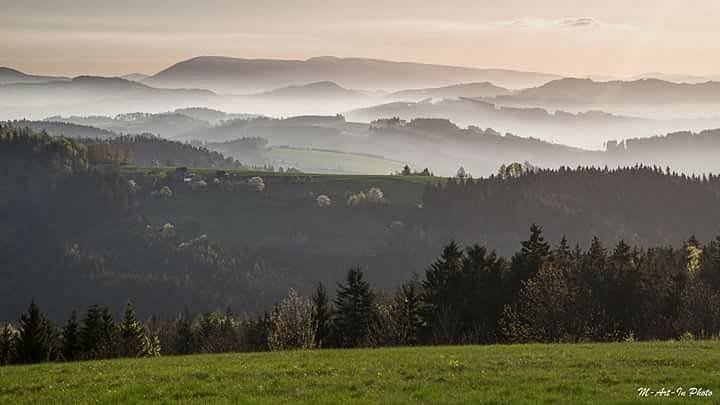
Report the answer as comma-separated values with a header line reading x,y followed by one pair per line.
x,y
539,24
578,23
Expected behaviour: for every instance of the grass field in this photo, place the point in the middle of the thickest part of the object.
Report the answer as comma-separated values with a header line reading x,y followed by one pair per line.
x,y
573,374
327,161
131,170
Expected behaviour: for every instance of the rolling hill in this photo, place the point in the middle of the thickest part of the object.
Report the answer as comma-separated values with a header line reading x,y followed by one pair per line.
x,y
310,91
586,93
12,76
93,95
234,75
483,89
135,77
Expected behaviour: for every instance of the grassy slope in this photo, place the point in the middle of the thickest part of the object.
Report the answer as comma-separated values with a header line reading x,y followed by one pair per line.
x,y
586,373
131,170
332,161
285,208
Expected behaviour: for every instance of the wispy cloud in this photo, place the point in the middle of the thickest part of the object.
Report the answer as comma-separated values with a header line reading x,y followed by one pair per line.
x,y
567,23
519,24
579,22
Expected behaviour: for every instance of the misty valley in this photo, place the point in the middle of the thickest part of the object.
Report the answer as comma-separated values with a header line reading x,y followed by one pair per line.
x,y
450,218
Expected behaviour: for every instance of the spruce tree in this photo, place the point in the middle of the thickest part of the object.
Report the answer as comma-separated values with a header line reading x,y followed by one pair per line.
x,y
71,345
440,293
226,331
184,337
132,335
321,316
33,340
208,333
531,257
438,277
481,292
91,333
354,309
108,334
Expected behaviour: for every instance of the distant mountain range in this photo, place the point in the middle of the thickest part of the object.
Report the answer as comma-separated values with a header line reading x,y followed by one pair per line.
x,y
569,110
436,143
223,74
483,89
135,77
676,78
586,129
311,91
589,93
9,76
91,95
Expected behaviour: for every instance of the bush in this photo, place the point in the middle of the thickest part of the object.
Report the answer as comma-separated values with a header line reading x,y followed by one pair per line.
x,y
292,324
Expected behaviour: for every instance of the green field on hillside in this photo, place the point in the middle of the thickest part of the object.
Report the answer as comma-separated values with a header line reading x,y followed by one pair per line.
x,y
329,161
532,374
132,170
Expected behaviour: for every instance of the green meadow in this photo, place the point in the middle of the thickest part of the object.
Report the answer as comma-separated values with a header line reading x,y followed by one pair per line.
x,y
532,374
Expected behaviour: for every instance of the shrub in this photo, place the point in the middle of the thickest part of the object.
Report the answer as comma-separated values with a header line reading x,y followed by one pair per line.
x,y
292,324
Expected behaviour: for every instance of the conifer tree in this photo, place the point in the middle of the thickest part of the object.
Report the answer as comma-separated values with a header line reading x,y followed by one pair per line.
x,y
354,309
257,333
207,333
33,340
184,342
226,332
108,334
531,257
131,333
438,277
481,291
440,293
322,316
91,338
71,344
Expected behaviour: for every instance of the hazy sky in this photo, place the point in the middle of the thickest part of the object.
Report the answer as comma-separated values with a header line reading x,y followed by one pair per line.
x,y
610,37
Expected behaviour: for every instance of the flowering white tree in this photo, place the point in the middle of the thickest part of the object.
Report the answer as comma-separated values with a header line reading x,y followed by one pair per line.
x,y
292,325
256,183
357,199
323,201
373,196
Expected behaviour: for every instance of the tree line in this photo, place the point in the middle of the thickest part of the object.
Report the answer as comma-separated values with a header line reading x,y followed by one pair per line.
x,y
643,205
542,293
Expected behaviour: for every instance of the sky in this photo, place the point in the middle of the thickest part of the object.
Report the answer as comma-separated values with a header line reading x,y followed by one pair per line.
x,y
572,37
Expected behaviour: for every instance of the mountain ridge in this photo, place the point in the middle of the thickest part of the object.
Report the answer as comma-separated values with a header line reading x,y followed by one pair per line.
x,y
222,73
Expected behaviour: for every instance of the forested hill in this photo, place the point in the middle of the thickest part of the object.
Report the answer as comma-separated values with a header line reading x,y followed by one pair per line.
x,y
645,206
691,152
107,147
67,129
149,150
72,235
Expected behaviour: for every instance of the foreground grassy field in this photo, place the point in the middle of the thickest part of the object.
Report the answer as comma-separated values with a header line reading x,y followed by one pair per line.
x,y
585,373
